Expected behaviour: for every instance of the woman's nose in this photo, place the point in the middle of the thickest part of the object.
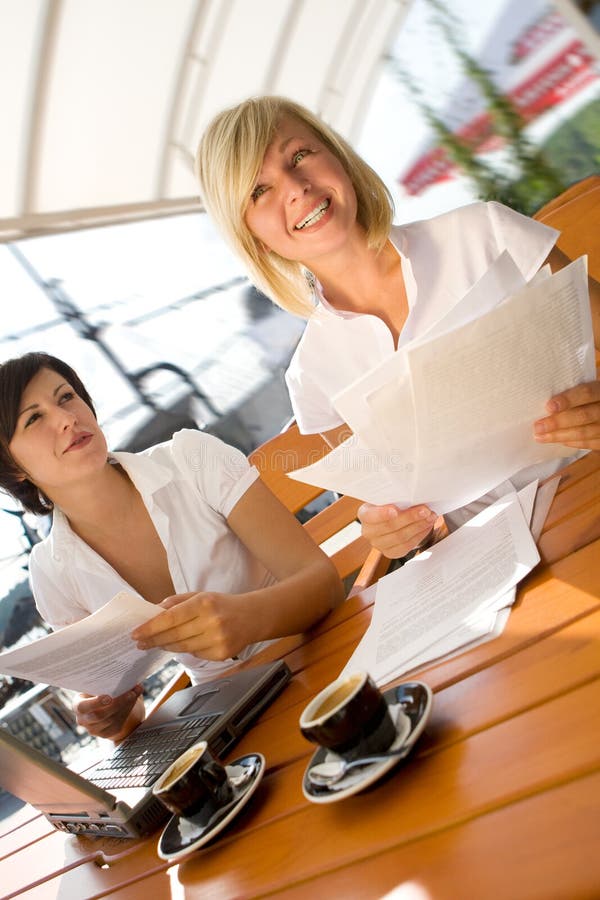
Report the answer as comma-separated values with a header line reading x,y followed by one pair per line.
x,y
296,185
65,418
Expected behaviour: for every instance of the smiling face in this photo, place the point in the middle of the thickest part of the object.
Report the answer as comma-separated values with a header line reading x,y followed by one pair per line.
x,y
57,440
303,206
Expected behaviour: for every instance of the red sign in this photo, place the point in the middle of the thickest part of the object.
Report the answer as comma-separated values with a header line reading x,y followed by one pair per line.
x,y
568,72
537,35
559,79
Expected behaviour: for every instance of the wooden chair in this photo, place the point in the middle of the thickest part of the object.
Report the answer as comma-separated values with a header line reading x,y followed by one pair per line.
x,y
335,528
576,214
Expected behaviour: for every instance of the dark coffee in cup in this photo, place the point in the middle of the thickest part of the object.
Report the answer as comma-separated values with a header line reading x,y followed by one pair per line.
x,y
195,781
350,716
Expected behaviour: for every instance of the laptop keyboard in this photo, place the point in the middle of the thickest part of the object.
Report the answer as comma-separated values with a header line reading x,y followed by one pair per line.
x,y
143,756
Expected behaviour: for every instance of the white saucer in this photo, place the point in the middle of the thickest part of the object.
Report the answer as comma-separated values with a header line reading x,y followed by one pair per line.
x,y
183,835
410,705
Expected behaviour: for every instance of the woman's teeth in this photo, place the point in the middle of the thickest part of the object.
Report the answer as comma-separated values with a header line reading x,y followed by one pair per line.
x,y
313,216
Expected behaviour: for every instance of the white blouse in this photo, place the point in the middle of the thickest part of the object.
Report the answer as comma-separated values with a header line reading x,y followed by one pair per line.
x,y
442,258
189,486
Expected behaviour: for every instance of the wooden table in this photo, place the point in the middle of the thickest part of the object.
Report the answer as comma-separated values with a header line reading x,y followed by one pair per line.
x,y
500,798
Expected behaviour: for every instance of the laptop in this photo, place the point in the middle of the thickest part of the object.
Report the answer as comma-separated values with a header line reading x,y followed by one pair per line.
x,y
115,798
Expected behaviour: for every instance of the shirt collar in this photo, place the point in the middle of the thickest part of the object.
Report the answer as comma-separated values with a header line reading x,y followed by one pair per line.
x,y
147,475
60,533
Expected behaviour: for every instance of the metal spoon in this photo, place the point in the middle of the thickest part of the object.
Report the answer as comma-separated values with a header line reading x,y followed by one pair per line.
x,y
327,773
239,775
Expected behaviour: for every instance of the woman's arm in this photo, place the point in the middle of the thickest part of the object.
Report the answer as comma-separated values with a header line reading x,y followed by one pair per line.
x,y
218,626
574,418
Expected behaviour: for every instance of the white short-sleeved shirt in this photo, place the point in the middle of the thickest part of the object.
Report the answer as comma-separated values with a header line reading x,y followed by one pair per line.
x,y
189,485
442,258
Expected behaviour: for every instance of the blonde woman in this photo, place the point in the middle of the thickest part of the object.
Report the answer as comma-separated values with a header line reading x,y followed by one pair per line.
x,y
313,224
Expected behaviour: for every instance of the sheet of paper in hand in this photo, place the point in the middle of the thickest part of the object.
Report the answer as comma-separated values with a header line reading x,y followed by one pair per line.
x,y
450,416
95,655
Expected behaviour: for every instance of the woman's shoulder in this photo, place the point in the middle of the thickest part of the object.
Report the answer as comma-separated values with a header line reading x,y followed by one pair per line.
x,y
221,473
489,216
484,227
183,441
41,553
474,212
191,449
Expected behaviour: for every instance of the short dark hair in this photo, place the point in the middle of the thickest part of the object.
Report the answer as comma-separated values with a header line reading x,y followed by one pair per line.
x,y
15,375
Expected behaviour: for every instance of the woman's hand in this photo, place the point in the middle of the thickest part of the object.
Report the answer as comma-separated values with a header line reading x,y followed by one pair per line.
x,y
210,625
110,717
574,418
395,532
218,626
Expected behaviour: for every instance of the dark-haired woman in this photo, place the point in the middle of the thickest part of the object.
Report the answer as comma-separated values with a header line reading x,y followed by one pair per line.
x,y
186,524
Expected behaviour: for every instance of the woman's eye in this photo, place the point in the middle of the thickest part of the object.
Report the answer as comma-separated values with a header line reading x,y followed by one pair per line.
x,y
68,395
32,418
257,192
299,156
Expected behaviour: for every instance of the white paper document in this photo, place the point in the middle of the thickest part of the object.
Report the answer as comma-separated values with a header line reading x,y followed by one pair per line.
x,y
449,416
449,596
488,624
95,655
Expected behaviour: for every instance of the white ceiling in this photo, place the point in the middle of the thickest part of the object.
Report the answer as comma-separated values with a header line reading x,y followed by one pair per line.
x,y
103,101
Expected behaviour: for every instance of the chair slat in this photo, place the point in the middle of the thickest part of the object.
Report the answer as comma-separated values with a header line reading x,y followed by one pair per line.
x,y
290,450
576,214
282,454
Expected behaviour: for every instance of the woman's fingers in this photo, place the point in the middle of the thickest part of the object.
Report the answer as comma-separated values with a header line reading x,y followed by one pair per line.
x,y
574,418
204,624
177,610
395,532
104,716
174,637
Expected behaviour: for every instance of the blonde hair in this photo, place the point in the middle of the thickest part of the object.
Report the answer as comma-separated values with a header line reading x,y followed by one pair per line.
x,y
229,158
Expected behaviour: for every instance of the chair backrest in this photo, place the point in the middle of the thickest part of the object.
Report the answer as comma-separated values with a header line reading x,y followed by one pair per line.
x,y
336,527
283,453
576,214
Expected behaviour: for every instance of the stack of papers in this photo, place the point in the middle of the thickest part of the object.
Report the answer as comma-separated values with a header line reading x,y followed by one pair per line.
x,y
458,593
450,415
